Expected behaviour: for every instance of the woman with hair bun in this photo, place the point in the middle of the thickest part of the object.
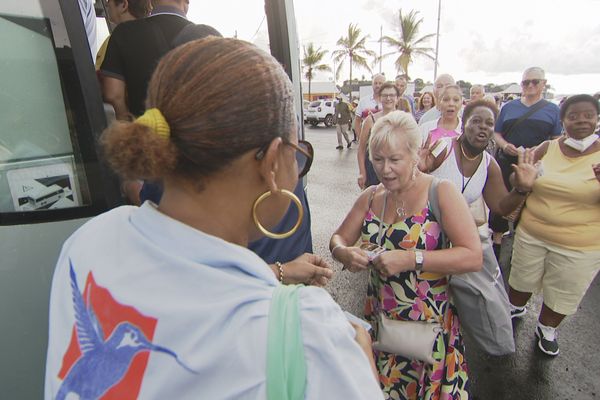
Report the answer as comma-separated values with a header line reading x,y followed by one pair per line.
x,y
165,301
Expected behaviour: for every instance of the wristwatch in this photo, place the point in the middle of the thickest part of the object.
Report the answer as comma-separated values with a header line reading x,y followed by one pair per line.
x,y
418,260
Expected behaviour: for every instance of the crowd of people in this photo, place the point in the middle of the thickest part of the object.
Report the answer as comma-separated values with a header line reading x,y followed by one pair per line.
x,y
204,275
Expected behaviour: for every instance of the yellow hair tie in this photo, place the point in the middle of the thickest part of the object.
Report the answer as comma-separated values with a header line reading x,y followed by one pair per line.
x,y
154,119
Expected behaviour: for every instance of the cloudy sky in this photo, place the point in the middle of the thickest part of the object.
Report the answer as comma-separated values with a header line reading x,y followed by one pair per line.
x,y
480,41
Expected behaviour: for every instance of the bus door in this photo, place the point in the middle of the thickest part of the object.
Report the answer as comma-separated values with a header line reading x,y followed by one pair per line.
x,y
51,182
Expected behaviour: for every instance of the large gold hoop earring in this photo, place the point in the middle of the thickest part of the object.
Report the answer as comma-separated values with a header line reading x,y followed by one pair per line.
x,y
270,234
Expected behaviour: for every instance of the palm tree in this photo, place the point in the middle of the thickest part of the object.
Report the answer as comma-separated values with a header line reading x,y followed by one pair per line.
x,y
352,47
406,45
311,61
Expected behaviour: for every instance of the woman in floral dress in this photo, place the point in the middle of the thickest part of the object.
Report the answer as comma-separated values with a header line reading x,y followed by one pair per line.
x,y
409,281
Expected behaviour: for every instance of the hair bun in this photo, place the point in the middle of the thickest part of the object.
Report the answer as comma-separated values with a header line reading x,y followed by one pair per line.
x,y
135,151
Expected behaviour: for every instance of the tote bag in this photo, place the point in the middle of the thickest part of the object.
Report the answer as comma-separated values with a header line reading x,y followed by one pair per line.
x,y
480,297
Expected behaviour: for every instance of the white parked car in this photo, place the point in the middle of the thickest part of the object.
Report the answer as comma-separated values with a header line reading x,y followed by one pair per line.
x,y
305,104
321,111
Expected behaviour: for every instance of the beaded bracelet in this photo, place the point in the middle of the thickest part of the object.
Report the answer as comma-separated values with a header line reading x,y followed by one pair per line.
x,y
280,266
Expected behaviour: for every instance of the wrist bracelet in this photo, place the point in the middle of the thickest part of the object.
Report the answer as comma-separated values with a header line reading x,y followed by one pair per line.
x,y
337,246
280,266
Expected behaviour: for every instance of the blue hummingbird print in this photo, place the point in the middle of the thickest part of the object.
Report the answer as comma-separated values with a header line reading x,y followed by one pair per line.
x,y
102,364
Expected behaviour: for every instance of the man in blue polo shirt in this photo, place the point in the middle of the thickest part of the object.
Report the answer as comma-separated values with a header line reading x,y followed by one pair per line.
x,y
513,133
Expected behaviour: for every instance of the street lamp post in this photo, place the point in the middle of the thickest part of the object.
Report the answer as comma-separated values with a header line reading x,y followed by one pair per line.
x,y
437,40
380,45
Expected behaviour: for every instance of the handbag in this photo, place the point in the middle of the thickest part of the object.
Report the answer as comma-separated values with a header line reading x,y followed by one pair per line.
x,y
480,298
483,306
477,209
414,340
286,365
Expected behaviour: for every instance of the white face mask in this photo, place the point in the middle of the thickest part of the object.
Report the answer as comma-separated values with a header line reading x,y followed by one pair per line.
x,y
581,145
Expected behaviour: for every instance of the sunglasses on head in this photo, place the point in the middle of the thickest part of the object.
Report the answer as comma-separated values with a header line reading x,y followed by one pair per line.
x,y
535,82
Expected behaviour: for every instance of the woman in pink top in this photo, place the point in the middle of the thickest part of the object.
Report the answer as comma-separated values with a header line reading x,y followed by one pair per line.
x,y
449,123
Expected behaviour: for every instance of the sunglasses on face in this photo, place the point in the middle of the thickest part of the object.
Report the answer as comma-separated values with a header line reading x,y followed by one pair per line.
x,y
534,82
304,155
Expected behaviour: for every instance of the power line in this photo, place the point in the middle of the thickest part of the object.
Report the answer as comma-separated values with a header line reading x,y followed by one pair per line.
x,y
259,26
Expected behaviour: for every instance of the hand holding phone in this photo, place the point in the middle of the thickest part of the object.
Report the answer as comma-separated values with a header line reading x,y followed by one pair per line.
x,y
372,250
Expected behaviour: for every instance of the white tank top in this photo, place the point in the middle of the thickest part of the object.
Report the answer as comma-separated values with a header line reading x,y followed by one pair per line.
x,y
471,187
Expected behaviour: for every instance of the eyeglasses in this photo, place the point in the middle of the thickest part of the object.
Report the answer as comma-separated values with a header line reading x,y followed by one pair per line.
x,y
388,96
535,82
304,155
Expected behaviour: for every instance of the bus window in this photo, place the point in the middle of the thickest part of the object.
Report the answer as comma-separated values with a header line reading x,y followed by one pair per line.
x,y
46,141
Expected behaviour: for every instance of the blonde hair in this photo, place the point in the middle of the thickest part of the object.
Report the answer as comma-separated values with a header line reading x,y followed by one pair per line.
x,y
390,128
445,89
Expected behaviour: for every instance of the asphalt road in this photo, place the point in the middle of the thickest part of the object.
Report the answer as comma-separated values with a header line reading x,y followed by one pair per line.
x,y
527,374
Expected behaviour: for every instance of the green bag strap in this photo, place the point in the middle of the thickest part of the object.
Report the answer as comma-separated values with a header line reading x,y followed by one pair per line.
x,y
286,365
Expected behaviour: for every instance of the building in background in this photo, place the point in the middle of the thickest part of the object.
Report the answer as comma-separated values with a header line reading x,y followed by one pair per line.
x,y
319,90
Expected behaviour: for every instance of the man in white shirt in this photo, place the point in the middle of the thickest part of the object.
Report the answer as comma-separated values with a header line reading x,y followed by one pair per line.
x,y
440,83
368,104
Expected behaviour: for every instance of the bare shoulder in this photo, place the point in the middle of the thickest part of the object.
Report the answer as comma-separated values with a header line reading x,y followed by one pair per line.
x,y
448,194
445,187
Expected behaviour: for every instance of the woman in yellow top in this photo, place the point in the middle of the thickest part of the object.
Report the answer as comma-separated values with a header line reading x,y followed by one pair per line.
x,y
556,247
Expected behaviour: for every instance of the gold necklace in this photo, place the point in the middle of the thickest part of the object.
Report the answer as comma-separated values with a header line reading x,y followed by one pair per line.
x,y
465,154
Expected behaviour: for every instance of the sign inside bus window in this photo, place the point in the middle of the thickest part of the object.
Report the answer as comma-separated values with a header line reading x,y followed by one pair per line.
x,y
44,187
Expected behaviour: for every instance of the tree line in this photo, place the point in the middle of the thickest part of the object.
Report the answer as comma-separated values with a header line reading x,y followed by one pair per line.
x,y
351,48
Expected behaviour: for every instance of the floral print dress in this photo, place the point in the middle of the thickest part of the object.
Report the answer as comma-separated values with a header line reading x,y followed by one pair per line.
x,y
417,296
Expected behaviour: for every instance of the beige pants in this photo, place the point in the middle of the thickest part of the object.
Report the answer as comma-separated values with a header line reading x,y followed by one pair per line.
x,y
342,129
562,275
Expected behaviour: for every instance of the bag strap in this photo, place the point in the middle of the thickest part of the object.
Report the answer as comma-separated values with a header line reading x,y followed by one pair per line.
x,y
380,233
161,40
286,365
434,207
532,110
371,195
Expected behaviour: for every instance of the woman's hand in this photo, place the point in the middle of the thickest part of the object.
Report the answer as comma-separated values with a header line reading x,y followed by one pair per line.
x,y
393,262
426,157
353,258
309,269
525,172
431,155
596,168
361,181
510,149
